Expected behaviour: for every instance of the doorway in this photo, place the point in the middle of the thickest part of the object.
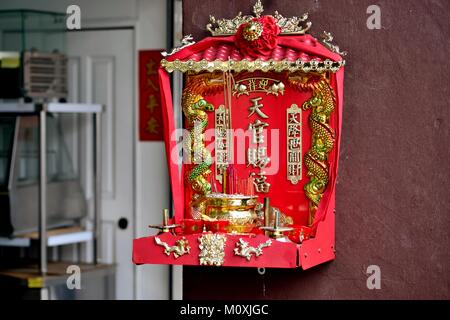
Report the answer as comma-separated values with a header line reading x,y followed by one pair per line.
x,y
101,70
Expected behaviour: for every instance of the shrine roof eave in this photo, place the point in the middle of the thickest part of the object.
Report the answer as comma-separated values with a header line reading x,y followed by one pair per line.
x,y
293,53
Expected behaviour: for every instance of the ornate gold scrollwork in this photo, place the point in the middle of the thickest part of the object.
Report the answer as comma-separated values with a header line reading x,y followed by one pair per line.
x,y
212,249
322,103
293,25
246,65
222,27
327,38
243,249
180,248
185,42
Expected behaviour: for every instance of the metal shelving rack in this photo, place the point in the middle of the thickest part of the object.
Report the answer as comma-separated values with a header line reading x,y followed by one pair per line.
x,y
44,239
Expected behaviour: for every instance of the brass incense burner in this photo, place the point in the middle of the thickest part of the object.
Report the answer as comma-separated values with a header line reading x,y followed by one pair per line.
x,y
237,209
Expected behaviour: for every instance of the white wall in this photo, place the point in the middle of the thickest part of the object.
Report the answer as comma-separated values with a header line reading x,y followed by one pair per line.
x,y
151,177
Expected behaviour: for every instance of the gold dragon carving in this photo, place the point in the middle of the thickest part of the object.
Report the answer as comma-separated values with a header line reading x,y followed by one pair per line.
x,y
245,250
322,103
196,109
180,248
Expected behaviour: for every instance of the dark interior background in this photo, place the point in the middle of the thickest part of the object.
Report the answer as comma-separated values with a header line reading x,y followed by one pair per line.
x,y
393,192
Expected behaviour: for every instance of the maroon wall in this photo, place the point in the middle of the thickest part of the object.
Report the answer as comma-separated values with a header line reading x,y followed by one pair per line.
x,y
393,192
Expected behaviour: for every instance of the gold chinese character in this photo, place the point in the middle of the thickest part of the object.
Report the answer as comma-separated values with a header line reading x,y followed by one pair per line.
x,y
251,84
294,169
220,118
221,144
221,132
255,107
151,84
257,128
294,156
294,144
221,157
152,126
260,183
294,131
293,118
151,70
152,103
263,84
257,157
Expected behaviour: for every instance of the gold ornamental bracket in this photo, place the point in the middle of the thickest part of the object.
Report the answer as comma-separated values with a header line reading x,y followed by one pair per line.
x,y
225,27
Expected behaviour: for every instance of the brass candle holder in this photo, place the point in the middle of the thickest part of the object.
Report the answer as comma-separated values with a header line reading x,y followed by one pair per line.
x,y
275,232
164,227
238,209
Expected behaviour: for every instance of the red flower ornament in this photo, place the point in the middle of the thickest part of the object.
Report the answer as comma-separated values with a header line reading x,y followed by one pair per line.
x,y
258,37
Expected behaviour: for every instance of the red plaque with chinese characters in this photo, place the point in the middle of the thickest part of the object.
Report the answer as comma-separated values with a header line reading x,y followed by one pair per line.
x,y
262,106
150,113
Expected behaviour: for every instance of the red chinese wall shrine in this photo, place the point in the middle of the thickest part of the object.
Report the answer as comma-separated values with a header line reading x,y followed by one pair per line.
x,y
392,198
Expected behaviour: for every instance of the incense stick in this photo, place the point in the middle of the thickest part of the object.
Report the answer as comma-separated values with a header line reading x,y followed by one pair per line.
x,y
224,182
